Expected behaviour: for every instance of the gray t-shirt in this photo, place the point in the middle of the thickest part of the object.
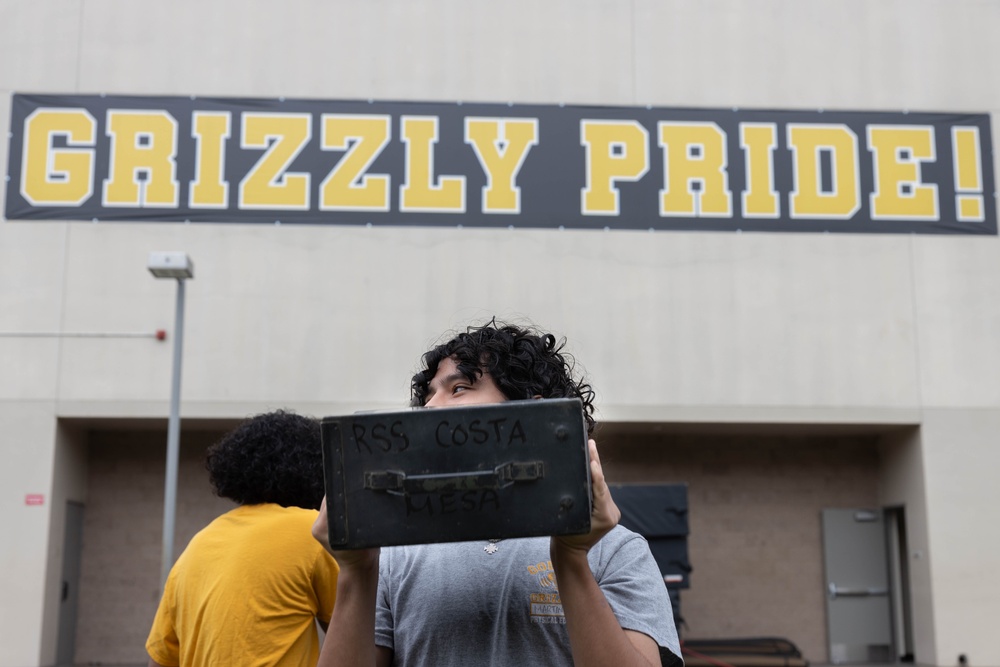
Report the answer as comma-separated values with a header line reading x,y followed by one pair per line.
x,y
456,604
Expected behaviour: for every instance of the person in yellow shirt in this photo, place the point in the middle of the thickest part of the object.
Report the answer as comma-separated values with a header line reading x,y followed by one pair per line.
x,y
251,586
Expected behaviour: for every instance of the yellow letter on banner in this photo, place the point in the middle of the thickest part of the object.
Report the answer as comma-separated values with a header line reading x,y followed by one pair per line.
x,y
419,192
210,131
969,203
143,169
694,153
760,200
897,152
58,176
616,151
808,144
501,144
268,184
349,186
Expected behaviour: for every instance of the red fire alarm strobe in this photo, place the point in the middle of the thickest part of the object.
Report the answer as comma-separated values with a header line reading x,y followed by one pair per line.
x,y
34,499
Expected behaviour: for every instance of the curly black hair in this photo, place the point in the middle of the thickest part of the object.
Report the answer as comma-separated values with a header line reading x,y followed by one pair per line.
x,y
522,361
275,457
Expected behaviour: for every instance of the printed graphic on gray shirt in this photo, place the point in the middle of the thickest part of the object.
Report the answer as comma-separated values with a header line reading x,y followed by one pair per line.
x,y
546,606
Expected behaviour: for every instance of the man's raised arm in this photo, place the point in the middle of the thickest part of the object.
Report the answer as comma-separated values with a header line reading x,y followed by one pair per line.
x,y
350,637
596,638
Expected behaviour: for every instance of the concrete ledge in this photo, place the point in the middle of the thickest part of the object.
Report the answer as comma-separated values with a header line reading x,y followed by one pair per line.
x,y
739,414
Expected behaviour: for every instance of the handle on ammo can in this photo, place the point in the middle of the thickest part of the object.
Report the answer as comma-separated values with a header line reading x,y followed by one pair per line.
x,y
504,475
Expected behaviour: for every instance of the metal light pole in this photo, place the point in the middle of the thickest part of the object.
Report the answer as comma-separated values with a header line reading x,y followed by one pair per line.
x,y
179,266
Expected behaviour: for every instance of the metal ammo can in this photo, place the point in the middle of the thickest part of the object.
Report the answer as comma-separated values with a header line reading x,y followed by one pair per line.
x,y
416,476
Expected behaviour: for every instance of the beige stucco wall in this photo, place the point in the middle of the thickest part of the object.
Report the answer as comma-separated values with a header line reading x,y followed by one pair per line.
x,y
672,326
28,437
902,483
961,460
69,483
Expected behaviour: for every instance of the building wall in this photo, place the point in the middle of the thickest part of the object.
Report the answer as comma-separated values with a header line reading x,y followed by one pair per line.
x,y
748,328
756,541
123,529
962,508
69,484
29,434
902,483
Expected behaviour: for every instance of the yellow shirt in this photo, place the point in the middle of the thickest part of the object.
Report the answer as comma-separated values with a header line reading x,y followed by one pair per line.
x,y
246,593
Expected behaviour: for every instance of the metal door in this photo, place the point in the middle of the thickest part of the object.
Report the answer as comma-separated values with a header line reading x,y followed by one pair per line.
x,y
72,544
858,609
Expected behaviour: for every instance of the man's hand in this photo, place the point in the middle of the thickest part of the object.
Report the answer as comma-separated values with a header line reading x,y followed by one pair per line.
x,y
356,558
604,513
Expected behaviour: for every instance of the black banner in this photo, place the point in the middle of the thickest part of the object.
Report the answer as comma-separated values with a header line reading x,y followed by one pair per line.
x,y
88,157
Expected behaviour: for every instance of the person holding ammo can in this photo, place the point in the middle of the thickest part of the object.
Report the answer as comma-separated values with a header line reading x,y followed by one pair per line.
x,y
588,599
